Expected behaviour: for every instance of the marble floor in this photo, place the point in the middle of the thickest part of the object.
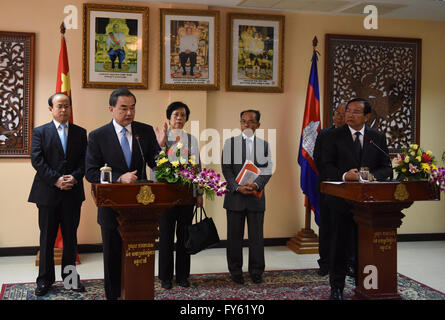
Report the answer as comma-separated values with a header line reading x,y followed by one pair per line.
x,y
421,261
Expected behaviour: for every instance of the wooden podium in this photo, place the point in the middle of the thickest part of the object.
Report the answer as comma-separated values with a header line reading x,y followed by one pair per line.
x,y
377,210
139,206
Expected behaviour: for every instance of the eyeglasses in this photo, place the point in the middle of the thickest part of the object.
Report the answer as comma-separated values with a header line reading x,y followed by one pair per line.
x,y
356,112
249,122
66,107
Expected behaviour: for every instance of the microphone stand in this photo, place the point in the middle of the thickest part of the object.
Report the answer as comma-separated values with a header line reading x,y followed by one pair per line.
x,y
143,163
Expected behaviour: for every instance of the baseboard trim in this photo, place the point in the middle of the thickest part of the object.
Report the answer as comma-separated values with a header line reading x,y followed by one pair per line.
x,y
268,242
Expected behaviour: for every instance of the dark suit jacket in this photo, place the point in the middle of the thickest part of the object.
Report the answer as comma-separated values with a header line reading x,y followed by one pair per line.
x,y
318,154
233,158
104,147
339,157
50,162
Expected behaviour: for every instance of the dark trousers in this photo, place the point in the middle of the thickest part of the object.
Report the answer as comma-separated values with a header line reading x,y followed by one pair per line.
x,y
235,235
344,235
183,57
113,54
179,218
325,232
112,253
68,216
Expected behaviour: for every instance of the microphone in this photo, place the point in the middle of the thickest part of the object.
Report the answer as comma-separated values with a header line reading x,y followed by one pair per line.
x,y
381,150
143,161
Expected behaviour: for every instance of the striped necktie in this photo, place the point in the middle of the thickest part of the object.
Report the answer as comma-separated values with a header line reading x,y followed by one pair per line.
x,y
126,147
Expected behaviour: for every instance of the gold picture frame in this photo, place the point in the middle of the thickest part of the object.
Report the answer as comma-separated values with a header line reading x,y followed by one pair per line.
x,y
255,52
115,46
189,45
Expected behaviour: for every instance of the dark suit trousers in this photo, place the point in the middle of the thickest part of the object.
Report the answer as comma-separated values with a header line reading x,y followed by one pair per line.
x,y
178,217
50,217
112,251
235,235
325,232
344,241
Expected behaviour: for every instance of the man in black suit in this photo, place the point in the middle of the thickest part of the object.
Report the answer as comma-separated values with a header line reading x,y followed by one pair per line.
x,y
115,144
58,155
324,239
346,150
241,202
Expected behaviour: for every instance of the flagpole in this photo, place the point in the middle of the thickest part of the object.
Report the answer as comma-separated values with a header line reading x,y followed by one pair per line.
x,y
306,240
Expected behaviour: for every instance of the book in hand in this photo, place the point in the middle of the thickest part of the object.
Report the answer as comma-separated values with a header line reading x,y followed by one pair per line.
x,y
248,174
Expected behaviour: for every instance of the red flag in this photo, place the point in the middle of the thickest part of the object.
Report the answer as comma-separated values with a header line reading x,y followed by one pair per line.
x,y
63,85
309,132
63,73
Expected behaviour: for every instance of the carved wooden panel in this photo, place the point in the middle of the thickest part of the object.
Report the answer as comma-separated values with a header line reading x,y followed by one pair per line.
x,y
386,72
16,93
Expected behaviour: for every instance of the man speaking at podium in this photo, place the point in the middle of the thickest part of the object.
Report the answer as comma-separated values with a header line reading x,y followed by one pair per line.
x,y
347,149
118,144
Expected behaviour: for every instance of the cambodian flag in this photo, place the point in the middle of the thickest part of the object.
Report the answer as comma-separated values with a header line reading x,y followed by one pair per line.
x,y
309,132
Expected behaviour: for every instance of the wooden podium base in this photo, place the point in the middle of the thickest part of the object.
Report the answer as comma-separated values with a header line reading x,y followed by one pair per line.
x,y
304,242
57,257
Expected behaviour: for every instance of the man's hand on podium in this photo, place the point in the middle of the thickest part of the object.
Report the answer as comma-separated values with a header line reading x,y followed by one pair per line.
x,y
129,177
352,175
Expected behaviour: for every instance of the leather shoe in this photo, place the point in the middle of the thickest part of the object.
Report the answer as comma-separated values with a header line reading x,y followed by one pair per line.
x,y
237,278
336,294
166,285
256,278
81,288
322,272
184,283
41,289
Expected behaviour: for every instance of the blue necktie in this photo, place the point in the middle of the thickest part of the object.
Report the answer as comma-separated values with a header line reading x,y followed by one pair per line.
x,y
126,147
358,146
63,137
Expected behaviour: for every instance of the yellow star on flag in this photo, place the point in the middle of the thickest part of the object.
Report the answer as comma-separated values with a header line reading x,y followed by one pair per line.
x,y
66,85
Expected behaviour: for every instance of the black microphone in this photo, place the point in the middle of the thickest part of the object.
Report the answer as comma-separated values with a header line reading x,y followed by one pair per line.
x,y
381,150
143,160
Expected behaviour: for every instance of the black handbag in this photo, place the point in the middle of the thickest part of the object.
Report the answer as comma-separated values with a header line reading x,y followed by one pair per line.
x,y
202,234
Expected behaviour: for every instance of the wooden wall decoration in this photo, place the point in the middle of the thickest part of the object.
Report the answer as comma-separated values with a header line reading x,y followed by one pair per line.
x,y
385,71
16,93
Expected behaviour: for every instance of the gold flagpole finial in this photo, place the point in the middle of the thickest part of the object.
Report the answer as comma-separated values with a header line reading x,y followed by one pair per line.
x,y
315,42
62,28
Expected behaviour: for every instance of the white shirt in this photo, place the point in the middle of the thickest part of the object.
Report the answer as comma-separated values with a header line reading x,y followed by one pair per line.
x,y
119,37
59,129
362,131
251,141
188,42
129,134
353,131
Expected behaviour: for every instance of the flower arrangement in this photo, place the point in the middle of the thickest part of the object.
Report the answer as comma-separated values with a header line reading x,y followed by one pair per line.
x,y
437,177
414,163
177,165
206,180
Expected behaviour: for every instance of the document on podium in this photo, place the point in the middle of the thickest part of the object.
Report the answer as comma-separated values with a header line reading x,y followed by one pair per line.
x,y
248,174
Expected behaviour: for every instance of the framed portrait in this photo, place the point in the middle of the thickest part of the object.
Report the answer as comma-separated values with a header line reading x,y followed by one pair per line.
x,y
17,52
255,52
189,49
115,46
386,72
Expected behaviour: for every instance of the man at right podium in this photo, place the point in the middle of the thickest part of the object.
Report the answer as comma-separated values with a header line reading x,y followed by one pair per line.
x,y
346,150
